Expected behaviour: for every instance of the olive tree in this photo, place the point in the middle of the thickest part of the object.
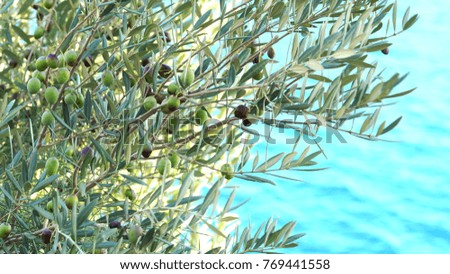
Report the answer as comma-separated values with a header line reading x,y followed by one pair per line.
x,y
122,121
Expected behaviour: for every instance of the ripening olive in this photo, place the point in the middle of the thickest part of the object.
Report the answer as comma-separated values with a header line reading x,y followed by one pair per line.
x,y
271,53
149,103
52,60
71,57
71,201
173,103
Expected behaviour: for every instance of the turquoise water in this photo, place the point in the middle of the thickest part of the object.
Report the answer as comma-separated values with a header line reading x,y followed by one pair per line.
x,y
379,197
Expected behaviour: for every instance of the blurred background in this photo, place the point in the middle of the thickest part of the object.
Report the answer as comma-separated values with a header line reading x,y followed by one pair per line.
x,y
378,197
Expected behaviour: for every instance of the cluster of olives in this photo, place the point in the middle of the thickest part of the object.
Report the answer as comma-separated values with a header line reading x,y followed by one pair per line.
x,y
165,164
169,101
134,232
61,76
71,202
51,168
270,53
39,31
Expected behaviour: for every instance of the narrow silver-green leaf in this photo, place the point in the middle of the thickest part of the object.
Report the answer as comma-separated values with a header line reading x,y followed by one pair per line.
x,y
392,125
269,163
99,147
134,179
44,213
85,212
43,184
253,71
202,19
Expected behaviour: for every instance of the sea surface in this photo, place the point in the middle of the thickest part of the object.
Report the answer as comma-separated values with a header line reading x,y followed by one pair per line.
x,y
378,197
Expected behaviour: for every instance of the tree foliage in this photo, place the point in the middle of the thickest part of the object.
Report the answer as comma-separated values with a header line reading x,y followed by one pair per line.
x,y
121,122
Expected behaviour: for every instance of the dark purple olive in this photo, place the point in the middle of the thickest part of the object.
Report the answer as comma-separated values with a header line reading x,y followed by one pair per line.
x,y
145,62
148,91
167,37
146,152
49,26
88,61
181,97
246,122
165,71
115,224
241,112
385,51
159,98
87,150
271,53
148,73
13,63
46,236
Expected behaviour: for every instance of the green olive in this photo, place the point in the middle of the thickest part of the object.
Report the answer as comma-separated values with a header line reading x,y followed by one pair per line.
x,y
174,159
71,57
130,194
47,118
173,89
164,166
134,232
41,63
39,32
71,201
33,85
51,95
187,78
201,116
52,165
62,75
5,230
107,78
149,103
227,171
